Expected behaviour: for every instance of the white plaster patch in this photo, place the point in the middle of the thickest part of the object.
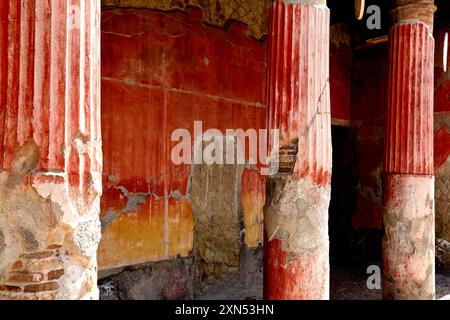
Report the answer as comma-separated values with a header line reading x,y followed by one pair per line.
x,y
298,215
57,194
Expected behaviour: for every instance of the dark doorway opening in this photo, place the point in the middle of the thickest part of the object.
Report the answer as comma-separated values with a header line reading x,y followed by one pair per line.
x,y
352,250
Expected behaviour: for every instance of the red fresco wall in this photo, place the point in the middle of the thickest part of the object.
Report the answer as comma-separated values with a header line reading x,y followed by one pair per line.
x,y
442,103
442,139
162,72
341,59
367,115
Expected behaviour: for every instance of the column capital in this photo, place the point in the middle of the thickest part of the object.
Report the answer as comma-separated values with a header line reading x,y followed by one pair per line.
x,y
410,11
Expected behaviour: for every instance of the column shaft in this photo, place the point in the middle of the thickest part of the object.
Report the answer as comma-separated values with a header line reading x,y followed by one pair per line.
x,y
50,148
408,200
296,215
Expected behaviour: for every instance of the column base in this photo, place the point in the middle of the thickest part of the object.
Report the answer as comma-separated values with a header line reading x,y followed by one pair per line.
x,y
296,246
49,239
408,242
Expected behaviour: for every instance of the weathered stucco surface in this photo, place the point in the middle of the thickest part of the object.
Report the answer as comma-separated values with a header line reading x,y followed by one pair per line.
x,y
50,242
217,12
163,280
442,162
297,213
367,116
296,250
408,243
296,226
219,225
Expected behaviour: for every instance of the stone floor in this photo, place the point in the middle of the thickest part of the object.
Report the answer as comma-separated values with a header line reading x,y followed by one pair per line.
x,y
233,291
155,281
347,283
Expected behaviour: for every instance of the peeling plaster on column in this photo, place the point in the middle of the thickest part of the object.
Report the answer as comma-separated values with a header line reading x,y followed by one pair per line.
x,y
408,193
414,12
408,243
51,153
297,214
10,221
36,217
57,194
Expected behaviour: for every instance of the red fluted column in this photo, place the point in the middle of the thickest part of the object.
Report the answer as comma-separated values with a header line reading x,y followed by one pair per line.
x,y
296,253
408,215
50,148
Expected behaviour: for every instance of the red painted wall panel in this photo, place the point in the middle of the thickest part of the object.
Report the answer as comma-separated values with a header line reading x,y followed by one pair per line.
x,y
441,102
367,115
442,77
341,59
161,72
